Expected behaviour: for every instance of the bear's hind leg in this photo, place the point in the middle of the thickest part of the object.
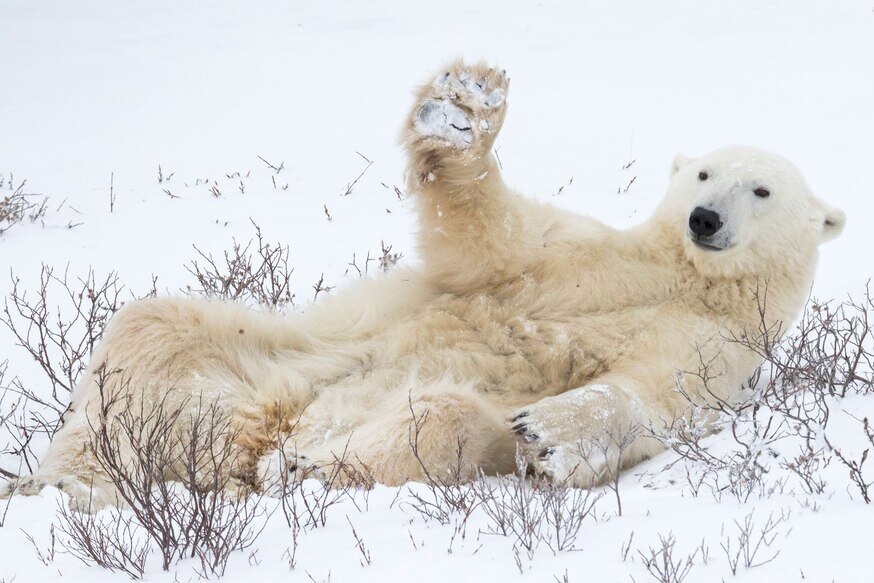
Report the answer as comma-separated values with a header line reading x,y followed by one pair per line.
x,y
444,432
71,467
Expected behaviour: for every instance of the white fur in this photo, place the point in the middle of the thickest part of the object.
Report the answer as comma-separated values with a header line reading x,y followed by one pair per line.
x,y
520,310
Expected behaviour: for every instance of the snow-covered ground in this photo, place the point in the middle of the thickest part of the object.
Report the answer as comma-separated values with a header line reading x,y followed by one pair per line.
x,y
100,95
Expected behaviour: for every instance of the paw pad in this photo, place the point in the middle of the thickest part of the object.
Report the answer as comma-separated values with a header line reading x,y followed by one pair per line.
x,y
463,108
443,119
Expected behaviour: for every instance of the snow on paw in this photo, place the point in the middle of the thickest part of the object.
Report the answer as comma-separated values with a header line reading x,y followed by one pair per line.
x,y
445,120
463,107
571,437
476,87
550,449
279,468
85,498
25,486
82,497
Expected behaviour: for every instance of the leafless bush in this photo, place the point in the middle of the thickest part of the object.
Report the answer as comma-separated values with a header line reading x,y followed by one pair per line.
x,y
828,356
45,555
626,547
110,539
830,353
529,511
325,580
333,489
9,403
400,194
743,546
62,345
18,206
350,186
534,511
254,273
661,564
514,508
354,265
7,411
59,327
308,493
359,544
609,448
320,287
445,492
172,465
565,510
388,259
5,512
807,466
864,482
741,469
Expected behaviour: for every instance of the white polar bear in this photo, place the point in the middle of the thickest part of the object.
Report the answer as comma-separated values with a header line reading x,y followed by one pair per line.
x,y
569,329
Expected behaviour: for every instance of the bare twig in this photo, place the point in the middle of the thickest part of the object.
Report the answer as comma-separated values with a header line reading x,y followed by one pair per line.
x,y
351,185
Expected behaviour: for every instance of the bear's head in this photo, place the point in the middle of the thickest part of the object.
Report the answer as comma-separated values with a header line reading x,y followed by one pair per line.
x,y
742,211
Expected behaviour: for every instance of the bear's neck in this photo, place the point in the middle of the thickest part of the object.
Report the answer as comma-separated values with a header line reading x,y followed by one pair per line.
x,y
747,300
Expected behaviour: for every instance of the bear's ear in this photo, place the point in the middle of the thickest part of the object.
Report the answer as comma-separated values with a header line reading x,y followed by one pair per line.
x,y
833,223
679,161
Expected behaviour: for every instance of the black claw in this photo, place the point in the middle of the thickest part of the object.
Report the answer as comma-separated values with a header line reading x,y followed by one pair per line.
x,y
519,416
530,437
520,428
545,453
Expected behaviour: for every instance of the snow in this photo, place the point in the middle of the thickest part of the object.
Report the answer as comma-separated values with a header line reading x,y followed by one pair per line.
x,y
445,120
105,92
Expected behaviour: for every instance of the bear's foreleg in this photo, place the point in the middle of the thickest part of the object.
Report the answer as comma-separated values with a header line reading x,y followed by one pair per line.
x,y
469,226
586,436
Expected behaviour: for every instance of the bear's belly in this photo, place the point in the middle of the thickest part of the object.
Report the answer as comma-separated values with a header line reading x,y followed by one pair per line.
x,y
496,348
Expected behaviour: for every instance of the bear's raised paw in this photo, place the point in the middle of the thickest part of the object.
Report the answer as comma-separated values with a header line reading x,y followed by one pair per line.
x,y
462,108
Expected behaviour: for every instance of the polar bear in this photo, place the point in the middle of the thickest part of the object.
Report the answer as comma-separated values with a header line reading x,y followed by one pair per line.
x,y
526,328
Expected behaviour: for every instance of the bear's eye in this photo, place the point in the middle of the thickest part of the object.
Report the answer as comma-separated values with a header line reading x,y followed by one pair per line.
x,y
702,176
762,192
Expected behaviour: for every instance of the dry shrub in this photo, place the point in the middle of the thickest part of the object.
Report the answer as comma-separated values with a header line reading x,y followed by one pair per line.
x,y
745,545
611,446
308,494
18,206
828,356
110,539
661,564
534,511
830,353
172,465
255,273
58,326
529,511
863,482
445,492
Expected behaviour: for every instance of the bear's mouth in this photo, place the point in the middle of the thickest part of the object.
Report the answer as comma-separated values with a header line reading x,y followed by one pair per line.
x,y
707,246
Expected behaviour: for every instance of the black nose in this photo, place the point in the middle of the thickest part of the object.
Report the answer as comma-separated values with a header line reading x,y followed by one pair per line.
x,y
704,222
